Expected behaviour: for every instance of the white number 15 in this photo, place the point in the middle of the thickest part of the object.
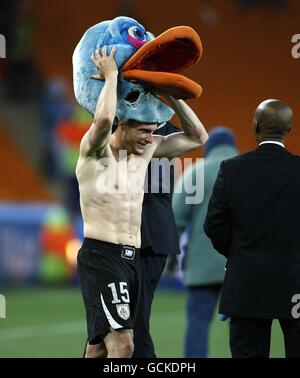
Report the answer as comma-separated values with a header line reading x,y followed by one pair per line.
x,y
123,290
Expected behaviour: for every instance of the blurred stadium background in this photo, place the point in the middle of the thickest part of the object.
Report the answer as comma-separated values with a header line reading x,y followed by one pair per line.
x,y
247,58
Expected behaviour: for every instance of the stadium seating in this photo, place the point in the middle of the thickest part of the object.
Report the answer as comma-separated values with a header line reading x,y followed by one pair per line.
x,y
19,181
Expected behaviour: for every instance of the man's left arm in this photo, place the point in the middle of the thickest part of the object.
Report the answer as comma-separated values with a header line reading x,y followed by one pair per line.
x,y
218,222
193,133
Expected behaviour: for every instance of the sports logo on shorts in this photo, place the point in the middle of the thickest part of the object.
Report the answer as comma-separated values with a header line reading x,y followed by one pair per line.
x,y
123,311
128,252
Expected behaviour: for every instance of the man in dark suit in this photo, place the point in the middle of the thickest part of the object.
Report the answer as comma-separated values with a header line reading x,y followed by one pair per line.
x,y
252,220
159,239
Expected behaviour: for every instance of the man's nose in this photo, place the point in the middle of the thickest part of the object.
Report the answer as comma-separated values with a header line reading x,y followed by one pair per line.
x,y
149,138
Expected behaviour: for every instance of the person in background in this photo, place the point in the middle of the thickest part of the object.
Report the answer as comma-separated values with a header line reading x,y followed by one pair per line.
x,y
203,269
55,107
159,239
253,220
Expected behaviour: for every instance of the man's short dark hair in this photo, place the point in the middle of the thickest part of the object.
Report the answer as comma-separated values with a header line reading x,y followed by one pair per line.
x,y
115,125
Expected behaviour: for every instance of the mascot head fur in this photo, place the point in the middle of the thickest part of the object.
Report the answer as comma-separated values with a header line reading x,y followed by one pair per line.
x,y
146,64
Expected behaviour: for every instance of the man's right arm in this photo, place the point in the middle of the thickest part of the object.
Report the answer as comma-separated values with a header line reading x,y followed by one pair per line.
x,y
99,133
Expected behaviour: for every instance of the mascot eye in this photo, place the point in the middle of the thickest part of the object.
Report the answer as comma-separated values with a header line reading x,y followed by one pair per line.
x,y
137,33
136,36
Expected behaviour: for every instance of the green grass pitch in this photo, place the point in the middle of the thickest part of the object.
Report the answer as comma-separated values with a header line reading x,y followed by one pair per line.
x,y
51,323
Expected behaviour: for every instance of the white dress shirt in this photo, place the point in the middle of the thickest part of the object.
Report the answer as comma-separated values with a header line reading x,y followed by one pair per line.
x,y
273,142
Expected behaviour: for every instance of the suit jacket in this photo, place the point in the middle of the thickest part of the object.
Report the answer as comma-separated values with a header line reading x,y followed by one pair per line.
x,y
252,219
158,229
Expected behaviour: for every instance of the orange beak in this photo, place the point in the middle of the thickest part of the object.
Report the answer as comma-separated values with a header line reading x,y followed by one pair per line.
x,y
159,61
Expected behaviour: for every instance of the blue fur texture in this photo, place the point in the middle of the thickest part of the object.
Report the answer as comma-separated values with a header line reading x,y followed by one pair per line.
x,y
121,32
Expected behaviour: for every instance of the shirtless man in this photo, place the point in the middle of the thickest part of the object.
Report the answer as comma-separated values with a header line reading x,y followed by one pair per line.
x,y
108,163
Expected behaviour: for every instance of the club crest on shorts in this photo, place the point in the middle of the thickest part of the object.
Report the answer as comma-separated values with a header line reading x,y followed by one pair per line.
x,y
123,310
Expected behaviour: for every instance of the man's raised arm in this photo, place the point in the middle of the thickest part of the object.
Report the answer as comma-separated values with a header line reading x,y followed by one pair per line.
x,y
99,133
193,133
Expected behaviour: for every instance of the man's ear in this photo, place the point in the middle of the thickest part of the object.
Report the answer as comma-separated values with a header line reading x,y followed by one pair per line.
x,y
115,125
123,126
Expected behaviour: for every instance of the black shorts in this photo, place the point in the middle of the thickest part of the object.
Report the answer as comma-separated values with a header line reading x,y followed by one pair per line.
x,y
109,279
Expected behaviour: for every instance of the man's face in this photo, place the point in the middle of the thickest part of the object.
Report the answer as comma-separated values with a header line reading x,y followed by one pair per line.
x,y
138,136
